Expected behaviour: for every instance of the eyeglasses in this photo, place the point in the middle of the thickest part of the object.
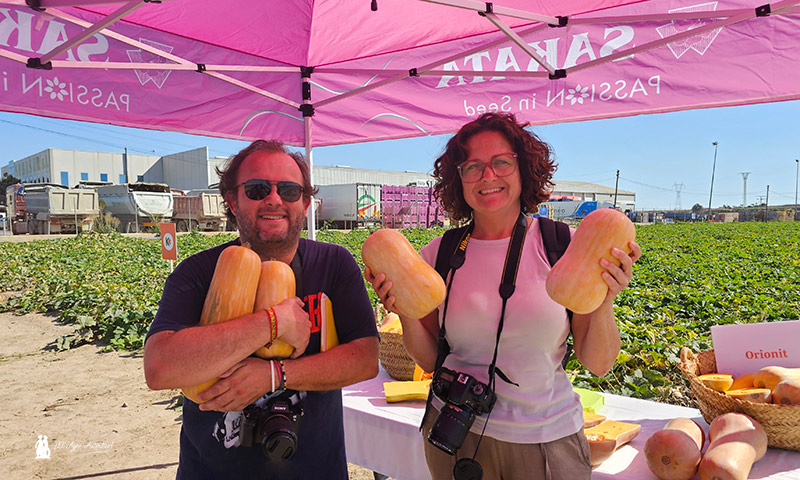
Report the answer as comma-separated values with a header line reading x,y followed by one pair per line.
x,y
257,189
502,165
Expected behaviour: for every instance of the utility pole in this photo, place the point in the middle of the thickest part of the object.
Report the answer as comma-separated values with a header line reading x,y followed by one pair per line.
x,y
796,178
615,190
766,204
713,169
744,191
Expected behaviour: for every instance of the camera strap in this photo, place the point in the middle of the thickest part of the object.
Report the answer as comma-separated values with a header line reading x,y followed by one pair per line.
x,y
507,287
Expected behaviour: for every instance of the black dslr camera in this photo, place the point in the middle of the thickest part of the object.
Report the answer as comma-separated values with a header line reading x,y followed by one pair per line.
x,y
464,398
273,425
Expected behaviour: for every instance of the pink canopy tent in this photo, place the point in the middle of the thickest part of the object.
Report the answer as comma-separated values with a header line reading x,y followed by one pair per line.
x,y
273,69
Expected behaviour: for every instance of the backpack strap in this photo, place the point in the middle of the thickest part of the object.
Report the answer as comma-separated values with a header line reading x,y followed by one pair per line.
x,y
447,247
555,238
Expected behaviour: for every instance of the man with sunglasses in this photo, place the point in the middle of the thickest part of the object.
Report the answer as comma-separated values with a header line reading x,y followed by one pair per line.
x,y
267,190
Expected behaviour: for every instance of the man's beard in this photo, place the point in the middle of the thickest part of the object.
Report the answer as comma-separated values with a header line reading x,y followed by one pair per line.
x,y
274,245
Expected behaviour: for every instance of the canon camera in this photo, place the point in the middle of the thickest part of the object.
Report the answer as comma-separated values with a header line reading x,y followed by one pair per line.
x,y
464,398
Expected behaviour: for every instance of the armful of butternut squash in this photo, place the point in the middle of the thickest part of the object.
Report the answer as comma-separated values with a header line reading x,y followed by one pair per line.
x,y
232,294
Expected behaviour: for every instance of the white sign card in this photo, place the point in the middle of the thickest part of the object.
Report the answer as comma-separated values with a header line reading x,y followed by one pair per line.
x,y
748,347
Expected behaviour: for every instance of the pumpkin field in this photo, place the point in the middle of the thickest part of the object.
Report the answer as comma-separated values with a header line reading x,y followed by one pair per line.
x,y
690,277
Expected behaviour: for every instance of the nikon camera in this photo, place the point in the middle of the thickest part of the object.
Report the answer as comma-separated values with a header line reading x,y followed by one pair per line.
x,y
273,425
464,398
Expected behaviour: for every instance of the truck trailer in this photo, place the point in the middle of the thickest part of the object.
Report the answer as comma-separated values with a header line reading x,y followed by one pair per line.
x,y
349,205
570,208
198,211
47,208
137,205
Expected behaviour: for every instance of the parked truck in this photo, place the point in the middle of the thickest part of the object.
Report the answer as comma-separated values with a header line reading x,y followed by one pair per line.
x,y
570,208
137,205
198,211
47,208
349,205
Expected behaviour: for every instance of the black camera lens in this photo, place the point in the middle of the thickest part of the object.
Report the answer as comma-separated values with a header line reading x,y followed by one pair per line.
x,y
451,428
280,441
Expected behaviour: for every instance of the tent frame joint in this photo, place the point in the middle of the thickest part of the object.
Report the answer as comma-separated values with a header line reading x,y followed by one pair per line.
x,y
562,22
763,10
201,67
558,73
413,72
35,5
307,109
152,1
306,72
36,64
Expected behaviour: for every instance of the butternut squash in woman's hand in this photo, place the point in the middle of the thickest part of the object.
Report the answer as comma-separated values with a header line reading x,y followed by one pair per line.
x,y
417,288
576,280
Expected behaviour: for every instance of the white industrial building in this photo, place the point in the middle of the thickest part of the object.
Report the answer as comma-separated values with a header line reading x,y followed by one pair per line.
x,y
194,169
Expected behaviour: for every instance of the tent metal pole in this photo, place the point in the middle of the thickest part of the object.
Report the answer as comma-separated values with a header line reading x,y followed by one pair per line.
x,y
95,28
312,230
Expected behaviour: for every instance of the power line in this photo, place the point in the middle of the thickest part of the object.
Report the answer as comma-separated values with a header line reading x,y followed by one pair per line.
x,y
108,144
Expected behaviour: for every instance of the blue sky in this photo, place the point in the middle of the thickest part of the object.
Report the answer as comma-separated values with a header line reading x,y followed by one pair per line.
x,y
657,155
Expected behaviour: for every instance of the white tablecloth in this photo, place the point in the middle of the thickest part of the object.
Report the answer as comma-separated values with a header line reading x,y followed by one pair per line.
x,y
384,437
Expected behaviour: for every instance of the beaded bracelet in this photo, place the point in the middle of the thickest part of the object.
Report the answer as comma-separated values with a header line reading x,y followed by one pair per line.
x,y
273,325
282,385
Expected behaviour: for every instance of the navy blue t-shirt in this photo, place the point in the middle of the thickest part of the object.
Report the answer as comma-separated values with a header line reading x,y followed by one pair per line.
x,y
209,441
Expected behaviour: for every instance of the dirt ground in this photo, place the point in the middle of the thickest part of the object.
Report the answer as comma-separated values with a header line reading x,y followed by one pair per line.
x,y
99,418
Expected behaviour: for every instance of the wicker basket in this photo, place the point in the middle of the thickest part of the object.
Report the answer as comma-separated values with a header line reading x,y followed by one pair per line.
x,y
394,358
781,422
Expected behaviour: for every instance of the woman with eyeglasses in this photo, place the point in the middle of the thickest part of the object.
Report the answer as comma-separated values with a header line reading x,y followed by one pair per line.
x,y
493,173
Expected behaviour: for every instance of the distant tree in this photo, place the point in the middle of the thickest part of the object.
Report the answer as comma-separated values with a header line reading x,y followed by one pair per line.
x,y
697,208
9,180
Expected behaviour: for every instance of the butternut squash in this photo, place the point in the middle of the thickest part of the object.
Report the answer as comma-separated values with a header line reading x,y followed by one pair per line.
x,y
787,392
391,323
591,419
744,380
231,294
720,382
576,280
673,453
737,442
755,395
769,377
420,374
608,436
417,287
276,284
409,390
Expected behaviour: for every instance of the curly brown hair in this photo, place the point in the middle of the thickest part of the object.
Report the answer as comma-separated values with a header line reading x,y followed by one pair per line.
x,y
536,166
227,175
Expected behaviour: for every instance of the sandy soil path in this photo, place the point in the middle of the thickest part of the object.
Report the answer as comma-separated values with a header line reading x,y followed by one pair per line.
x,y
100,419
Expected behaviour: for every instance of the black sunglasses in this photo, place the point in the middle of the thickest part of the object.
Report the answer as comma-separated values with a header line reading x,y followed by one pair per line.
x,y
257,189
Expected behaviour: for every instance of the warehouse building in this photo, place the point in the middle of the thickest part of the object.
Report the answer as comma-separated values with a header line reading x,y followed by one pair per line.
x,y
194,170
